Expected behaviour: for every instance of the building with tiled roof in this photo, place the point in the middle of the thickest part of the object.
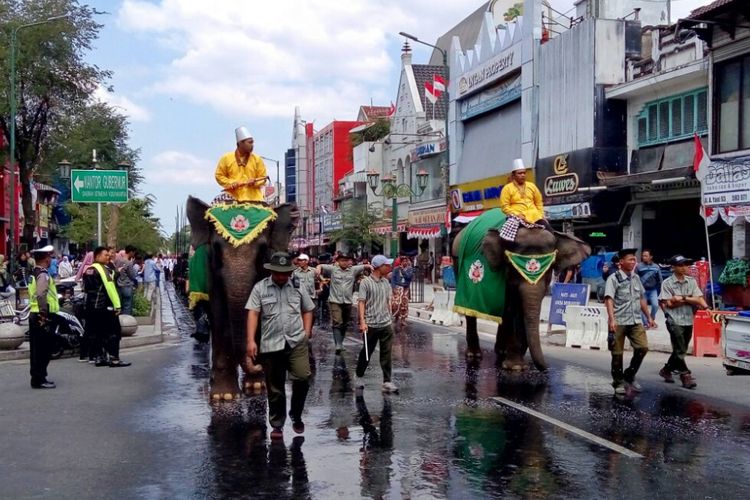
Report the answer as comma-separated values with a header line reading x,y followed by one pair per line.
x,y
372,113
715,8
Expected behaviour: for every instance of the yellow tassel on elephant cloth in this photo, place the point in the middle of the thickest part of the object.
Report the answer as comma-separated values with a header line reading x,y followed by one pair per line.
x,y
531,267
240,223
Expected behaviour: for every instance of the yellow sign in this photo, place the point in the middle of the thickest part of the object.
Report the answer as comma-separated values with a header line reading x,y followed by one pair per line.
x,y
482,194
561,165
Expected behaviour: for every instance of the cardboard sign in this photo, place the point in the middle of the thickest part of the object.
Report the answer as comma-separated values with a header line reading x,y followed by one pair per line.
x,y
566,294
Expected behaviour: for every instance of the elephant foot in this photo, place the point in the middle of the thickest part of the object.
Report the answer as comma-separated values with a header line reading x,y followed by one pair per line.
x,y
253,387
224,387
225,396
474,354
514,365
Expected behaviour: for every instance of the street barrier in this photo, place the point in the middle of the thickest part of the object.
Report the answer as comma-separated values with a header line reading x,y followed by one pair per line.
x,y
443,313
707,332
586,327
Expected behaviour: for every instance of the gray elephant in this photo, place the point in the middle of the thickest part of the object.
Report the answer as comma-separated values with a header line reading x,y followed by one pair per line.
x,y
232,273
518,328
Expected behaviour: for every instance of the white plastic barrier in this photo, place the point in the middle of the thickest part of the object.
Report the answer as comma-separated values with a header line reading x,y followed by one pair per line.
x,y
443,309
586,327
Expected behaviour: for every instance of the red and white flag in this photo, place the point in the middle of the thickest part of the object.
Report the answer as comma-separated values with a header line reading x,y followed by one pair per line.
x,y
701,161
392,110
439,84
429,92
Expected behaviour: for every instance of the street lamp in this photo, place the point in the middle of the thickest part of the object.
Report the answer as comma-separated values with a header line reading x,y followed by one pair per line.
x,y
64,169
278,179
389,189
446,180
12,178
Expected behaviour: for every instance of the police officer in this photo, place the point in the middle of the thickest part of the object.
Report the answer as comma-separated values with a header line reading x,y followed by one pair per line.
x,y
305,275
623,296
102,310
283,313
43,302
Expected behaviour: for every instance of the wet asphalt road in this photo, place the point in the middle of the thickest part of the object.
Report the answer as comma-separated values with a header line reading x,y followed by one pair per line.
x,y
148,431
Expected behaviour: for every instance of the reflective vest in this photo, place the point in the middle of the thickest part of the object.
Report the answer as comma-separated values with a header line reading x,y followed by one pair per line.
x,y
109,285
52,302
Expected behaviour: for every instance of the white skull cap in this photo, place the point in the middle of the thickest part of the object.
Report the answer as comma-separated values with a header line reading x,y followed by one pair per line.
x,y
518,165
303,256
242,133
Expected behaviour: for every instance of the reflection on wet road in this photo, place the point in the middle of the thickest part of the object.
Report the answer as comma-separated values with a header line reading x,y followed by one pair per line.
x,y
442,436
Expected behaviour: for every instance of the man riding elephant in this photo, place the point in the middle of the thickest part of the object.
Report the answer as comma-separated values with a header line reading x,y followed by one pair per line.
x,y
242,173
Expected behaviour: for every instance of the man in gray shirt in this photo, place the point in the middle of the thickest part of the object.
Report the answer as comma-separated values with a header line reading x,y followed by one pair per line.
x,y
343,275
623,296
305,275
375,321
127,278
284,315
679,296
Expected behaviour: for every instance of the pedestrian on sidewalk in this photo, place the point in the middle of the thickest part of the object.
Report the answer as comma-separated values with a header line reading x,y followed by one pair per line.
x,y
650,274
342,275
127,279
623,297
284,314
375,321
680,296
149,276
43,303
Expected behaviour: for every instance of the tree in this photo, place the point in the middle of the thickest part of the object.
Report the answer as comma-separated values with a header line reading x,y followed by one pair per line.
x,y
513,12
379,129
53,79
356,225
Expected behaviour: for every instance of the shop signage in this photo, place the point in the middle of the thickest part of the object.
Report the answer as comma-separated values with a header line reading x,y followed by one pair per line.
x,y
563,182
480,195
428,149
426,217
568,211
332,222
491,98
490,71
564,295
457,202
726,183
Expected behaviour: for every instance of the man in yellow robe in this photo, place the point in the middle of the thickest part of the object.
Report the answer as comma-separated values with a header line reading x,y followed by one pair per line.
x,y
521,198
241,172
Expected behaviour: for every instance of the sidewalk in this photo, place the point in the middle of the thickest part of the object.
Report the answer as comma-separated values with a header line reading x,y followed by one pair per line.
x,y
145,335
658,339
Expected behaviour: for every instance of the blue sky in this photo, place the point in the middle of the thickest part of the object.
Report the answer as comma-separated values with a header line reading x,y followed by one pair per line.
x,y
187,72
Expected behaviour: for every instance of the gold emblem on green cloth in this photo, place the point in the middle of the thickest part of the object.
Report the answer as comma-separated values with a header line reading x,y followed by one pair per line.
x,y
531,267
240,223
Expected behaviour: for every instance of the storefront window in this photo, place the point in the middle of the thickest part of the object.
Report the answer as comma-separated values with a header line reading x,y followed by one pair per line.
x,y
432,166
728,83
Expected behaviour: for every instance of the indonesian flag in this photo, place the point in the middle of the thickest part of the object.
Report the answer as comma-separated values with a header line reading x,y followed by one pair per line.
x,y
392,110
429,92
701,160
439,84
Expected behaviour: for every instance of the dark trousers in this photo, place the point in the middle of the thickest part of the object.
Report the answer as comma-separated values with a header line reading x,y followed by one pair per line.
x,y
40,340
126,299
103,333
680,337
341,316
276,364
383,335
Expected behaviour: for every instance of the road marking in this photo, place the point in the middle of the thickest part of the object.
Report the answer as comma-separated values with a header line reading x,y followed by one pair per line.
x,y
573,430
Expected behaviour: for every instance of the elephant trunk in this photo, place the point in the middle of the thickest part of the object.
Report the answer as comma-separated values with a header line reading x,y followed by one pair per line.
x,y
531,299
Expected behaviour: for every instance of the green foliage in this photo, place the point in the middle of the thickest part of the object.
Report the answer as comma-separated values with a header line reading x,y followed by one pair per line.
x,y
141,306
356,224
513,12
381,128
136,227
52,75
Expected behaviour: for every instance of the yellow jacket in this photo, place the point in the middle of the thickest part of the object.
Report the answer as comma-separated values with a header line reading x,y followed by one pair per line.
x,y
524,202
229,172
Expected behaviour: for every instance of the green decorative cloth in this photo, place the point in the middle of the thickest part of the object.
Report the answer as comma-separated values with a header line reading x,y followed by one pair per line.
x,y
531,267
480,292
198,276
240,223
735,273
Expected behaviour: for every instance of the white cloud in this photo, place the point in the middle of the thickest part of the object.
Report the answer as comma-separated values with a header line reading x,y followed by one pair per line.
x,y
134,111
175,168
259,60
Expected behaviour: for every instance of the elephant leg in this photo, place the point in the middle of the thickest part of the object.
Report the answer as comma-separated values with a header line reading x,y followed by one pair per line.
x,y
501,347
514,337
473,351
224,384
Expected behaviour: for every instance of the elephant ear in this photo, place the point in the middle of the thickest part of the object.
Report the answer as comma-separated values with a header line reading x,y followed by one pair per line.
x,y
287,219
493,249
570,251
200,229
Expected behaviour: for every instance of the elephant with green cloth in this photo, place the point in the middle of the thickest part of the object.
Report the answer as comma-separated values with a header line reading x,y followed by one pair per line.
x,y
234,267
505,282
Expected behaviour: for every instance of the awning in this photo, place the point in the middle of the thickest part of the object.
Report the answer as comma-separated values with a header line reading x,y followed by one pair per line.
x,y
400,228
424,232
44,187
467,217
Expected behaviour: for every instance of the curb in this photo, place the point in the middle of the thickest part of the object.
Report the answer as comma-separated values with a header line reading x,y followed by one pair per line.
x,y
156,337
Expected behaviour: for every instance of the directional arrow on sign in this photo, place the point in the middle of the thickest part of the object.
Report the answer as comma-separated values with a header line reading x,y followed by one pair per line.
x,y
78,183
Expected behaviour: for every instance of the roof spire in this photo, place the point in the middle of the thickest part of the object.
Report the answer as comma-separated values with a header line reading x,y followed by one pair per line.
x,y
406,54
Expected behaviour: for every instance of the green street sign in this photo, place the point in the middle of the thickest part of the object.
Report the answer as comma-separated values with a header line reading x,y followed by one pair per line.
x,y
99,186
